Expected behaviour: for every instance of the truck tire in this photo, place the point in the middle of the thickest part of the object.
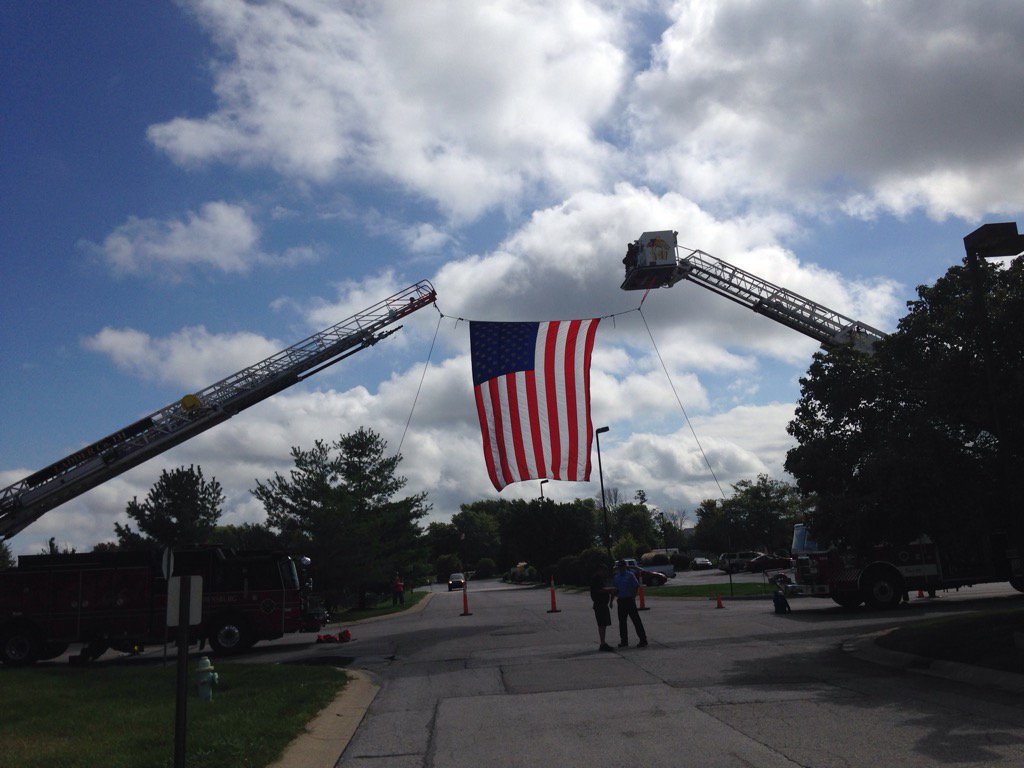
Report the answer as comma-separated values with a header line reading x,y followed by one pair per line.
x,y
19,645
1017,582
230,634
882,588
848,600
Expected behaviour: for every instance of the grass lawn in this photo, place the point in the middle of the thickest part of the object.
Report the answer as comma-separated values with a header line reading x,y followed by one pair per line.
x,y
711,590
383,608
123,716
985,640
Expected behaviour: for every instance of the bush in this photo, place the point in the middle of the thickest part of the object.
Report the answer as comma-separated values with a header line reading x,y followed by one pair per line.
x,y
680,561
590,560
567,571
486,568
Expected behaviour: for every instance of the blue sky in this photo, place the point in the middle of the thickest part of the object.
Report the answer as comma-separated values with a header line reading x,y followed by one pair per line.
x,y
188,187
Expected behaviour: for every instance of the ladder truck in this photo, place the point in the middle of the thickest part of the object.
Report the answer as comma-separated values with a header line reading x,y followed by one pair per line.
x,y
25,501
652,262
118,599
883,577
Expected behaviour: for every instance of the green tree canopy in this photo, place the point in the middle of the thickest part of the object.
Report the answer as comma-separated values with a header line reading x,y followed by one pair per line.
x,y
340,503
6,557
759,515
928,433
477,535
246,536
181,509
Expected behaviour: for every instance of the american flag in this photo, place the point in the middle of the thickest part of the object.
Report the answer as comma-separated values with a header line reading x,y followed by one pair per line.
x,y
532,386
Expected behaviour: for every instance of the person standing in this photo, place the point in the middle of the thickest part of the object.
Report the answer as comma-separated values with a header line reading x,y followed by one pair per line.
x,y
626,586
397,591
601,594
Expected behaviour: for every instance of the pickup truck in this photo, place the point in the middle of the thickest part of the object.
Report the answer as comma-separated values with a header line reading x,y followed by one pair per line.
x,y
650,575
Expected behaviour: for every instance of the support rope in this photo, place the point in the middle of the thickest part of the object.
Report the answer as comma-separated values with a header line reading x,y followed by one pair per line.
x,y
685,416
422,376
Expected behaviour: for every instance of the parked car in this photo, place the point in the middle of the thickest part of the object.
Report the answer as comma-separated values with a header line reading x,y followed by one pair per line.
x,y
456,581
763,563
731,562
701,564
647,576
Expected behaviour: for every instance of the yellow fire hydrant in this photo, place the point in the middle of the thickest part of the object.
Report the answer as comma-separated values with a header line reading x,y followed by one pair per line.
x,y
207,678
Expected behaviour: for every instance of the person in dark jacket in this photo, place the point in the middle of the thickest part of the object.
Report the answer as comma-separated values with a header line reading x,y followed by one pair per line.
x,y
602,594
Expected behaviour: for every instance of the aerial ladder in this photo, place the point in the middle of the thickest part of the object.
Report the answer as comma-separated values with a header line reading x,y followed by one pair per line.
x,y
653,262
26,501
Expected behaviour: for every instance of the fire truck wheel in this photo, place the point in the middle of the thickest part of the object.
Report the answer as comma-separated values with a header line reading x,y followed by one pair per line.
x,y
848,601
1017,582
882,588
230,634
19,645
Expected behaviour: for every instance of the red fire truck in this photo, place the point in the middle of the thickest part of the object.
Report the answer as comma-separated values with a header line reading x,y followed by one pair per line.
x,y
119,600
886,575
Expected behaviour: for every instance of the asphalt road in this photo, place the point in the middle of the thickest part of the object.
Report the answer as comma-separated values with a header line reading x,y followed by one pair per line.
x,y
515,685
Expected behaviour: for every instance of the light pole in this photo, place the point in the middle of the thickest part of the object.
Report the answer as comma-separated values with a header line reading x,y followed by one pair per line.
x,y
542,489
604,507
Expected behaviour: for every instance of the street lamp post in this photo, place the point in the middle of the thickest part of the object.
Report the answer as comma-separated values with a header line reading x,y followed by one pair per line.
x,y
604,507
542,489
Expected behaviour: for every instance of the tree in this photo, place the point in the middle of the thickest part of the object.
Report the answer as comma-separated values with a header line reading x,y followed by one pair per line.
x,y
540,532
53,548
635,519
477,535
441,539
928,433
711,534
6,557
180,510
758,515
625,546
340,503
246,536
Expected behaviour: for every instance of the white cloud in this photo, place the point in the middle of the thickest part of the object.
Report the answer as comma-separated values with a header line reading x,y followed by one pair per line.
x,y
192,357
466,104
887,106
221,237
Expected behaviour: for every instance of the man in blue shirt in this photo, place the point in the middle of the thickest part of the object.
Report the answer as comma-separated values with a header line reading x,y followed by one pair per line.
x,y
626,586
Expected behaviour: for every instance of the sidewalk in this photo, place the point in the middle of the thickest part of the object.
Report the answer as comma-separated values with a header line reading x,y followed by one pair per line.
x,y
328,734
866,648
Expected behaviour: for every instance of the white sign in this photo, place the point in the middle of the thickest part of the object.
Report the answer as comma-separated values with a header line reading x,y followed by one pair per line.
x,y
195,600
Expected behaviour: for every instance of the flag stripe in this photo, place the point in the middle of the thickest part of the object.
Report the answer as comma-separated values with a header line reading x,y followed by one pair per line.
x,y
485,418
536,436
515,426
588,349
571,415
498,407
534,422
551,385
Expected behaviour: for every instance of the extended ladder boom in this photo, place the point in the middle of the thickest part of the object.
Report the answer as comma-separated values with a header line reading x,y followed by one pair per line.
x,y
651,262
26,501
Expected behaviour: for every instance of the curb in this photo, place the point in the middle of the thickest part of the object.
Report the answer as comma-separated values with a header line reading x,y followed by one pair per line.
x,y
413,609
867,649
328,734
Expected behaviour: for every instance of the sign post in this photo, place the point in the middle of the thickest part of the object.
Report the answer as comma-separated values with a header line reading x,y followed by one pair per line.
x,y
184,609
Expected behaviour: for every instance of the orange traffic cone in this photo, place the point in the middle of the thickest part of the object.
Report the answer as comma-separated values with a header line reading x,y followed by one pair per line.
x,y
643,604
719,598
554,609
465,602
